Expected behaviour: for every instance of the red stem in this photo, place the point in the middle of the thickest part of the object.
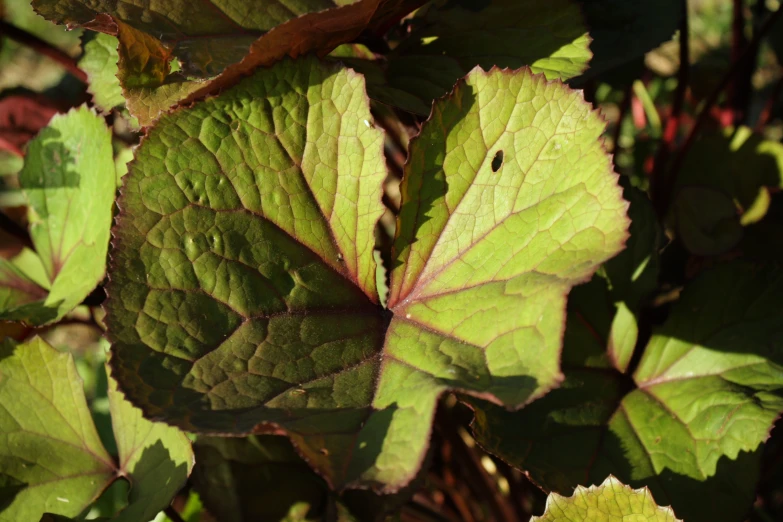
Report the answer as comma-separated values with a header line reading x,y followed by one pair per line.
x,y
766,112
672,126
42,47
709,103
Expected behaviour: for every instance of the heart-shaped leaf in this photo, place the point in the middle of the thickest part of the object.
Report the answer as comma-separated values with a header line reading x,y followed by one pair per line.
x,y
243,291
69,180
51,457
691,422
612,501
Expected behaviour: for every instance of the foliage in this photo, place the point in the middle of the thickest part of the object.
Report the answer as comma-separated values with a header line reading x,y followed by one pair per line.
x,y
381,260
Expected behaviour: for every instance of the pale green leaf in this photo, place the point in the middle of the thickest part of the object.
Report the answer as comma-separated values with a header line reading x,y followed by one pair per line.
x,y
99,61
612,501
51,456
48,443
69,181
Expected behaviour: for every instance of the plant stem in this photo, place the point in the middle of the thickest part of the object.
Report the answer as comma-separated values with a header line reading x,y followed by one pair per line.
x,y
766,112
711,100
173,515
42,47
484,485
624,107
742,87
673,121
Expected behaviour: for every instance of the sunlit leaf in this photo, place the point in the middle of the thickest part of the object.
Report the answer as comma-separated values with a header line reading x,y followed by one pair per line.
x,y
48,443
51,457
69,180
244,293
612,501
99,61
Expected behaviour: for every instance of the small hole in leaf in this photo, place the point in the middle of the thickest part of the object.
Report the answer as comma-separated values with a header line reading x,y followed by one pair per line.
x,y
497,161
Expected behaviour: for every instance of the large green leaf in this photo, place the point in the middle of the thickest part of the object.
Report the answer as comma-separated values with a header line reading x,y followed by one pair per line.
x,y
243,289
223,38
691,422
69,180
451,39
610,502
51,457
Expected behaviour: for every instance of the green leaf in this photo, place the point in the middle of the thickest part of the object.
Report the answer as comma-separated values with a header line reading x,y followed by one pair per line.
x,y
263,478
69,181
739,163
612,501
623,31
99,61
547,35
243,292
707,220
156,458
48,443
51,456
691,423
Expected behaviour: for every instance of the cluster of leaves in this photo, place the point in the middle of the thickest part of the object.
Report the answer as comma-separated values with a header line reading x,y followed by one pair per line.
x,y
373,258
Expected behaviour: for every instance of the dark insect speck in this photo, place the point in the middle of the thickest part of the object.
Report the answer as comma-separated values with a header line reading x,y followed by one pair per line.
x,y
497,162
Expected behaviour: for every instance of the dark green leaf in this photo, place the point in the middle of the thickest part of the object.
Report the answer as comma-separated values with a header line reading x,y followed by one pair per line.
x,y
690,425
450,40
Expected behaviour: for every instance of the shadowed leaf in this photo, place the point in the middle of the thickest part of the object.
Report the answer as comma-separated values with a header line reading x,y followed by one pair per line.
x,y
451,39
690,426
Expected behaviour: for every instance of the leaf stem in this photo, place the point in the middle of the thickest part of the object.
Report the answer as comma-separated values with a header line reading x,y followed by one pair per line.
x,y
42,47
173,515
766,112
672,126
625,106
485,486
709,103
